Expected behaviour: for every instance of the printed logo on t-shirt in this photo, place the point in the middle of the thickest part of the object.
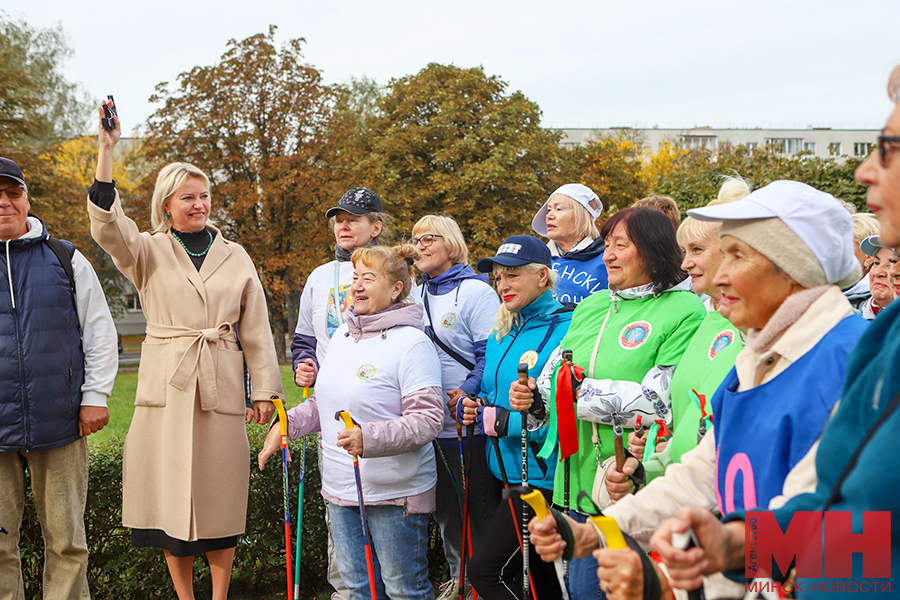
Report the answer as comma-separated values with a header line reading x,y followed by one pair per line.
x,y
366,372
448,320
331,316
722,341
634,334
530,357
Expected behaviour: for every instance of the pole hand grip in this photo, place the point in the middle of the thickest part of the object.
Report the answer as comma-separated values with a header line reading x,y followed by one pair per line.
x,y
345,416
523,373
282,415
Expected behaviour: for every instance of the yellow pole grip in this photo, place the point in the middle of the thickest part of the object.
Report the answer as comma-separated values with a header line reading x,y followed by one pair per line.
x,y
282,415
348,422
610,530
538,504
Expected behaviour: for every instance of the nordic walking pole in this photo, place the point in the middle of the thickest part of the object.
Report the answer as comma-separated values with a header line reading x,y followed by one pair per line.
x,y
506,494
526,538
541,510
283,423
686,541
462,461
466,523
618,443
300,504
349,424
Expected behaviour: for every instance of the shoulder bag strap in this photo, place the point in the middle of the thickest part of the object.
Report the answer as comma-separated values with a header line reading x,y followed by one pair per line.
x,y
450,352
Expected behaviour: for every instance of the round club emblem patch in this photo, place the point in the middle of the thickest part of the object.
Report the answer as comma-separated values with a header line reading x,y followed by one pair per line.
x,y
448,320
366,372
722,341
634,334
530,358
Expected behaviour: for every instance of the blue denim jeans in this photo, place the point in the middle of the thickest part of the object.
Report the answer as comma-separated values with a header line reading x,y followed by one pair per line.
x,y
583,580
399,542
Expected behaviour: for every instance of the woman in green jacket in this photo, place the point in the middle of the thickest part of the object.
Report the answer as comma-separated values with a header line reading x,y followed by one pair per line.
x,y
708,358
628,341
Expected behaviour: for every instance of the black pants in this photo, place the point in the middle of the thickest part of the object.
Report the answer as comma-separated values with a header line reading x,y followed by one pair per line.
x,y
484,496
495,571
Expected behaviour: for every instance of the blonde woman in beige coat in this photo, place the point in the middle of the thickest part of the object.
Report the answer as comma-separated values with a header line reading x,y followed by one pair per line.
x,y
186,459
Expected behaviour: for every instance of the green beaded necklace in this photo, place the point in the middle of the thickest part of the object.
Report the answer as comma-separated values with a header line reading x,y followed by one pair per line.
x,y
198,254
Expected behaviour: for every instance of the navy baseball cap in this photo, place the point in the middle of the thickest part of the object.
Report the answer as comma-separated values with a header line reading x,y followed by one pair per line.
x,y
517,250
357,201
10,169
872,244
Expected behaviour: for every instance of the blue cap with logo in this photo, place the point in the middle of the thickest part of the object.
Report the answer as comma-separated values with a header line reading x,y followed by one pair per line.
x,y
517,250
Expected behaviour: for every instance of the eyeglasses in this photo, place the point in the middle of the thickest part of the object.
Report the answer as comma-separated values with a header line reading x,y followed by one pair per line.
x,y
13,193
884,146
427,240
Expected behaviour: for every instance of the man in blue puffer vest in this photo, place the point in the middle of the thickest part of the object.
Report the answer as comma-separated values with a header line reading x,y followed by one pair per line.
x,y
58,362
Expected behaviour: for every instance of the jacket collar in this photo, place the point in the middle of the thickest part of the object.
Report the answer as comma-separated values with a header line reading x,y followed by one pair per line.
x,y
37,232
643,291
543,304
451,278
396,315
586,249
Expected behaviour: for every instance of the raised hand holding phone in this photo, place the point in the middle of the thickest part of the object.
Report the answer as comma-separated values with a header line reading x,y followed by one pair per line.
x,y
110,114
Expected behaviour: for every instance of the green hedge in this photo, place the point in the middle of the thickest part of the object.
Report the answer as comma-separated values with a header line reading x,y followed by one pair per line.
x,y
118,570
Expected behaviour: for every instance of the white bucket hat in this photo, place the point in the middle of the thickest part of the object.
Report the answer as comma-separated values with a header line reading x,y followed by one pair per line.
x,y
581,194
820,222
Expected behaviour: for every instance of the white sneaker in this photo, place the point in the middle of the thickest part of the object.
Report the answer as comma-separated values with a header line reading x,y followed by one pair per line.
x,y
449,590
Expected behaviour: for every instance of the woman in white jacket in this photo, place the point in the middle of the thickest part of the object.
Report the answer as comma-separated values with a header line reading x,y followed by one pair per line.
x,y
384,371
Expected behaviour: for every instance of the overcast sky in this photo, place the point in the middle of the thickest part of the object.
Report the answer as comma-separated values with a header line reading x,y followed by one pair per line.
x,y
768,63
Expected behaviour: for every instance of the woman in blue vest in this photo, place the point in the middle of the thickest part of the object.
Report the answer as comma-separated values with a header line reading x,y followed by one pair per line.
x,y
567,219
530,323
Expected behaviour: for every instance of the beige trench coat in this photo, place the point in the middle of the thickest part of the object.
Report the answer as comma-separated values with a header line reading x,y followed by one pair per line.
x,y
186,464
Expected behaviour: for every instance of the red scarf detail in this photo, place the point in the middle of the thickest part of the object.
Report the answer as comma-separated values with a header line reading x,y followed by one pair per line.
x,y
565,407
663,431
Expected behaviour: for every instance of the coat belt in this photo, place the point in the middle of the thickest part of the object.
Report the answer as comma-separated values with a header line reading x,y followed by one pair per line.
x,y
198,357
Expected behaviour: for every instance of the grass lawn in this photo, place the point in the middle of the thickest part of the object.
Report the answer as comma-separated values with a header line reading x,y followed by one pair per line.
x,y
121,402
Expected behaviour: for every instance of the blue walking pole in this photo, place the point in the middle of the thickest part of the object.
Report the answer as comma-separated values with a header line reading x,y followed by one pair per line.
x,y
300,507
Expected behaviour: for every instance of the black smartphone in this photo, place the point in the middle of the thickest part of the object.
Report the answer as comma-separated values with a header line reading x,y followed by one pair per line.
x,y
109,111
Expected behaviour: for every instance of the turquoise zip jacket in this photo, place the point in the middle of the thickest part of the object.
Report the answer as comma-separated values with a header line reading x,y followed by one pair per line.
x,y
541,328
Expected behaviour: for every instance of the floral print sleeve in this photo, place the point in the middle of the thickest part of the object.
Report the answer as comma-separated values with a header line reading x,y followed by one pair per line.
x,y
601,399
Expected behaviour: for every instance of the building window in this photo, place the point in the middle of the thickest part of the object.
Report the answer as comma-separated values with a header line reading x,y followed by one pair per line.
x,y
699,142
786,145
570,146
809,147
862,148
834,148
133,302
751,145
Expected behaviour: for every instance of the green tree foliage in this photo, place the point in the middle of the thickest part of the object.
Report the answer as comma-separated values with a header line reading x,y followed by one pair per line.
x,y
613,167
37,103
693,178
453,141
40,114
261,123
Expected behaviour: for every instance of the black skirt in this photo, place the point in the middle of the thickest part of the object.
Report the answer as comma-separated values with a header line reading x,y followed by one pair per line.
x,y
157,538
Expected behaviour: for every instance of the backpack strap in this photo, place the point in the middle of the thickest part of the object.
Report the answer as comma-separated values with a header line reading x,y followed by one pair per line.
x,y
65,259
